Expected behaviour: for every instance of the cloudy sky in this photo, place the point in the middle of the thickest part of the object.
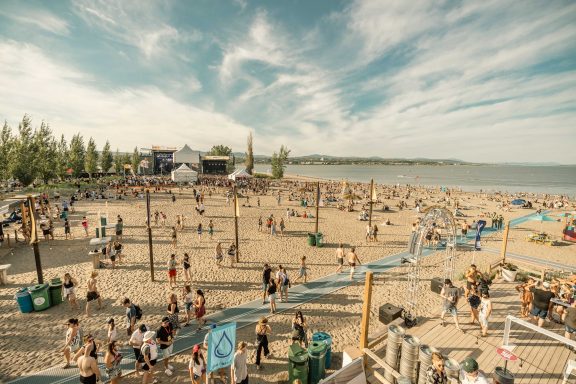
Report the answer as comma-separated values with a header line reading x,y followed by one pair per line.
x,y
486,81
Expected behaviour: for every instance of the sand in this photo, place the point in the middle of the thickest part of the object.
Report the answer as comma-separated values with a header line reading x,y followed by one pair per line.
x,y
32,342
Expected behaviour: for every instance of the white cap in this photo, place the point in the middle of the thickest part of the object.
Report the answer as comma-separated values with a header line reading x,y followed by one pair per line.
x,y
149,335
546,284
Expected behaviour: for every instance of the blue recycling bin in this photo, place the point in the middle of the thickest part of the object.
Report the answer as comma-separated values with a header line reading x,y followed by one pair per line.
x,y
326,339
24,300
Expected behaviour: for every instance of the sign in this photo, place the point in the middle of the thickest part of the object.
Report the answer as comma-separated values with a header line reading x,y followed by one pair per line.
x,y
479,227
506,354
221,347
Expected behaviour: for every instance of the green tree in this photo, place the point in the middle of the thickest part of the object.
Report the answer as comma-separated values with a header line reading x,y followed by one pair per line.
x,y
6,149
91,158
106,158
62,158
279,162
118,165
45,156
22,168
222,150
249,162
77,154
135,160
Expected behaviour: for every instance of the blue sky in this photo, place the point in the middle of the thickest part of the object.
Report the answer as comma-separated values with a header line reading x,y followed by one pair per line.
x,y
486,81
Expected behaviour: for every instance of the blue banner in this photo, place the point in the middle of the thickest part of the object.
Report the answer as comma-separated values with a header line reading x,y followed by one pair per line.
x,y
221,347
479,227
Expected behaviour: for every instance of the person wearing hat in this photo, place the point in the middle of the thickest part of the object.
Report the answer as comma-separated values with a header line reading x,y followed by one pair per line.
x,y
541,303
149,354
470,373
165,336
136,341
197,366
239,369
262,332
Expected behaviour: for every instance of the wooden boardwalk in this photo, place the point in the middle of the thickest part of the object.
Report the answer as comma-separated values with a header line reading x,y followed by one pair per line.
x,y
542,360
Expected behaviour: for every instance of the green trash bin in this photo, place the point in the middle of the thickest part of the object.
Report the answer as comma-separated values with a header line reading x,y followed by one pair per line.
x,y
311,239
319,240
97,232
297,363
102,221
103,232
40,296
317,364
55,291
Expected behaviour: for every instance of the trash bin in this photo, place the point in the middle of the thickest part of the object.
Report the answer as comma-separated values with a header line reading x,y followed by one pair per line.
x,y
319,240
24,300
103,229
40,296
317,363
502,376
325,338
301,203
102,221
55,291
297,363
97,232
95,259
311,239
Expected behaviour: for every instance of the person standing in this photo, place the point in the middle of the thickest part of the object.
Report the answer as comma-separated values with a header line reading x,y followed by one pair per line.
x,y
471,278
119,228
188,303
173,311
85,225
450,295
352,259
112,360
272,294
474,301
282,227
541,303
485,311
299,325
219,254
73,340
174,236
149,356
375,233
164,338
186,268
340,257
69,290
260,224
232,254
136,341
239,368
265,281
470,373
88,367
262,332
92,293
436,374
67,231
197,366
211,229
200,308
172,271
130,316
525,296
570,322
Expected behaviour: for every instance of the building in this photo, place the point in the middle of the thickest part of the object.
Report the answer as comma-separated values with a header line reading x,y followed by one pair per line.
x,y
215,165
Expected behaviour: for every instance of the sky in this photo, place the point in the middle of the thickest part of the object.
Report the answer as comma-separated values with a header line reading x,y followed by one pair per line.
x,y
482,81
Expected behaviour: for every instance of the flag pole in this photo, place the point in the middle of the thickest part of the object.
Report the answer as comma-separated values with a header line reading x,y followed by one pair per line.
x,y
236,213
371,201
149,234
317,206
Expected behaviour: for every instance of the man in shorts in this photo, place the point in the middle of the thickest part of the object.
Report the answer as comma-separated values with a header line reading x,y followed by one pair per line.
x,y
471,278
541,303
265,281
450,295
119,228
164,337
136,341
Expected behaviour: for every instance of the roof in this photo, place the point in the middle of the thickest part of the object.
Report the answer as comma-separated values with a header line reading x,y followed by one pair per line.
x,y
210,157
187,155
184,169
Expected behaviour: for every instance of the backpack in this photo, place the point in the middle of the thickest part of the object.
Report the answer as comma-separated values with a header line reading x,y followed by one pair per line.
x,y
138,312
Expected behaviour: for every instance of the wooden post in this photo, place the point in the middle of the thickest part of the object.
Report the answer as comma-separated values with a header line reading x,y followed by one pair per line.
x,y
148,224
34,238
365,322
8,239
236,214
371,202
505,243
317,206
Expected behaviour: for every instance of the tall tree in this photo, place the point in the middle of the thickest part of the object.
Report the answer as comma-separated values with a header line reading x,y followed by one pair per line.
x,y
118,165
106,158
249,162
77,154
62,158
222,150
91,158
6,149
135,160
45,155
279,162
22,168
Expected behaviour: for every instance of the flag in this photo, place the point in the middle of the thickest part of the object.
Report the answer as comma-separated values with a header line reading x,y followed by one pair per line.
x,y
479,227
236,207
221,347
373,192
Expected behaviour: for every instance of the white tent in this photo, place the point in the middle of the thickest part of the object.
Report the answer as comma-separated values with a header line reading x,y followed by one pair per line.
x,y
186,156
239,174
184,174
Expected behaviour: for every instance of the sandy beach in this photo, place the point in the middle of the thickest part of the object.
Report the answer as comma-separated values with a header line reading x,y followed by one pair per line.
x,y
32,342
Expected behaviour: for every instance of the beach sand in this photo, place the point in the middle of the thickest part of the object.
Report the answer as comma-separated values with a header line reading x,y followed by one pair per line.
x,y
32,342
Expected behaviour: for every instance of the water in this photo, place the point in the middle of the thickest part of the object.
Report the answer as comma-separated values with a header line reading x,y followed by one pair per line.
x,y
504,178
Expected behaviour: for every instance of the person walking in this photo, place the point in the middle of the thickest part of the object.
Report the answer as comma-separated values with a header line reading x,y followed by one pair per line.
x,y
173,311
112,331
149,356
272,287
570,322
474,301
112,360
436,373
200,308
67,231
85,225
450,295
352,260
188,303
172,271
92,293
219,254
260,224
485,311
239,368
69,290
119,228
211,229
262,332
340,257
199,231
303,271
164,338
136,341
299,325
186,268
526,296
73,340
282,227
197,366
174,236
541,303
88,367
265,281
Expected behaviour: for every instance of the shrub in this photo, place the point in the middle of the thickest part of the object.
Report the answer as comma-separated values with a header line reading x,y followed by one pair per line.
x,y
510,267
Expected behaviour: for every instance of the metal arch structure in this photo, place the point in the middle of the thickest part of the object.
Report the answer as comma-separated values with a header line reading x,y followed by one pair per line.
x,y
437,219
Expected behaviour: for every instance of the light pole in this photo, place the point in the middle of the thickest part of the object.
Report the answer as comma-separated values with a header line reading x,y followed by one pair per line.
x,y
149,234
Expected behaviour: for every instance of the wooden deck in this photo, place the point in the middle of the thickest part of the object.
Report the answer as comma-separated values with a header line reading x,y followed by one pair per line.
x,y
541,360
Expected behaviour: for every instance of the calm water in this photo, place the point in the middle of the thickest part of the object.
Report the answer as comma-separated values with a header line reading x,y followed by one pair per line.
x,y
509,178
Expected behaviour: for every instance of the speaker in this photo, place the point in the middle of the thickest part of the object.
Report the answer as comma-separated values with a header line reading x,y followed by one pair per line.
x,y
387,313
436,284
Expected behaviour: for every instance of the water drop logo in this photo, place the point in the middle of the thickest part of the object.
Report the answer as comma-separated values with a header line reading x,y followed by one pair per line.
x,y
224,347
221,342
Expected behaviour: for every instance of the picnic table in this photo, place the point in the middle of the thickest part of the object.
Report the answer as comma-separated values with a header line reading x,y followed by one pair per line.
x,y
541,238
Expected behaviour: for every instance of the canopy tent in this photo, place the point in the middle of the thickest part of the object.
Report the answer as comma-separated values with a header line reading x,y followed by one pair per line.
x,y
518,202
239,174
183,174
186,156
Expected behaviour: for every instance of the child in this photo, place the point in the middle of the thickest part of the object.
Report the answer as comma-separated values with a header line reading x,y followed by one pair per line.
x,y
85,225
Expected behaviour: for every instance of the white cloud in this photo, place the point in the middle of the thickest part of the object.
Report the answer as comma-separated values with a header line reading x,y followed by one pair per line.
x,y
38,18
63,96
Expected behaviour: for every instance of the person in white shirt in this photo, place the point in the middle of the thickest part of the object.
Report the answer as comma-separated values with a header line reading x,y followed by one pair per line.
x,y
470,373
136,341
239,369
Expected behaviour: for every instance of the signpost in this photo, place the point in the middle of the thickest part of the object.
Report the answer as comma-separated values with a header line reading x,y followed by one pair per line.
x,y
221,346
507,356
149,226
372,198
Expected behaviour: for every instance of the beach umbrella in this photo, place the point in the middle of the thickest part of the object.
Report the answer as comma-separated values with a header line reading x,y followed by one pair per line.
x,y
541,219
518,202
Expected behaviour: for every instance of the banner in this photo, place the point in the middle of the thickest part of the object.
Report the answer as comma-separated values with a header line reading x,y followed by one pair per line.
x,y
373,192
479,227
221,347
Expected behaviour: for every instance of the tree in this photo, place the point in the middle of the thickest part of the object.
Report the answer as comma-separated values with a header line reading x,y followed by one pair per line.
x,y
222,150
22,168
6,149
106,158
249,162
45,155
279,161
118,165
62,158
77,154
135,160
91,158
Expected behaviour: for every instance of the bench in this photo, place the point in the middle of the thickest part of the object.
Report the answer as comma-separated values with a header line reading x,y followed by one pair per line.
x,y
4,273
